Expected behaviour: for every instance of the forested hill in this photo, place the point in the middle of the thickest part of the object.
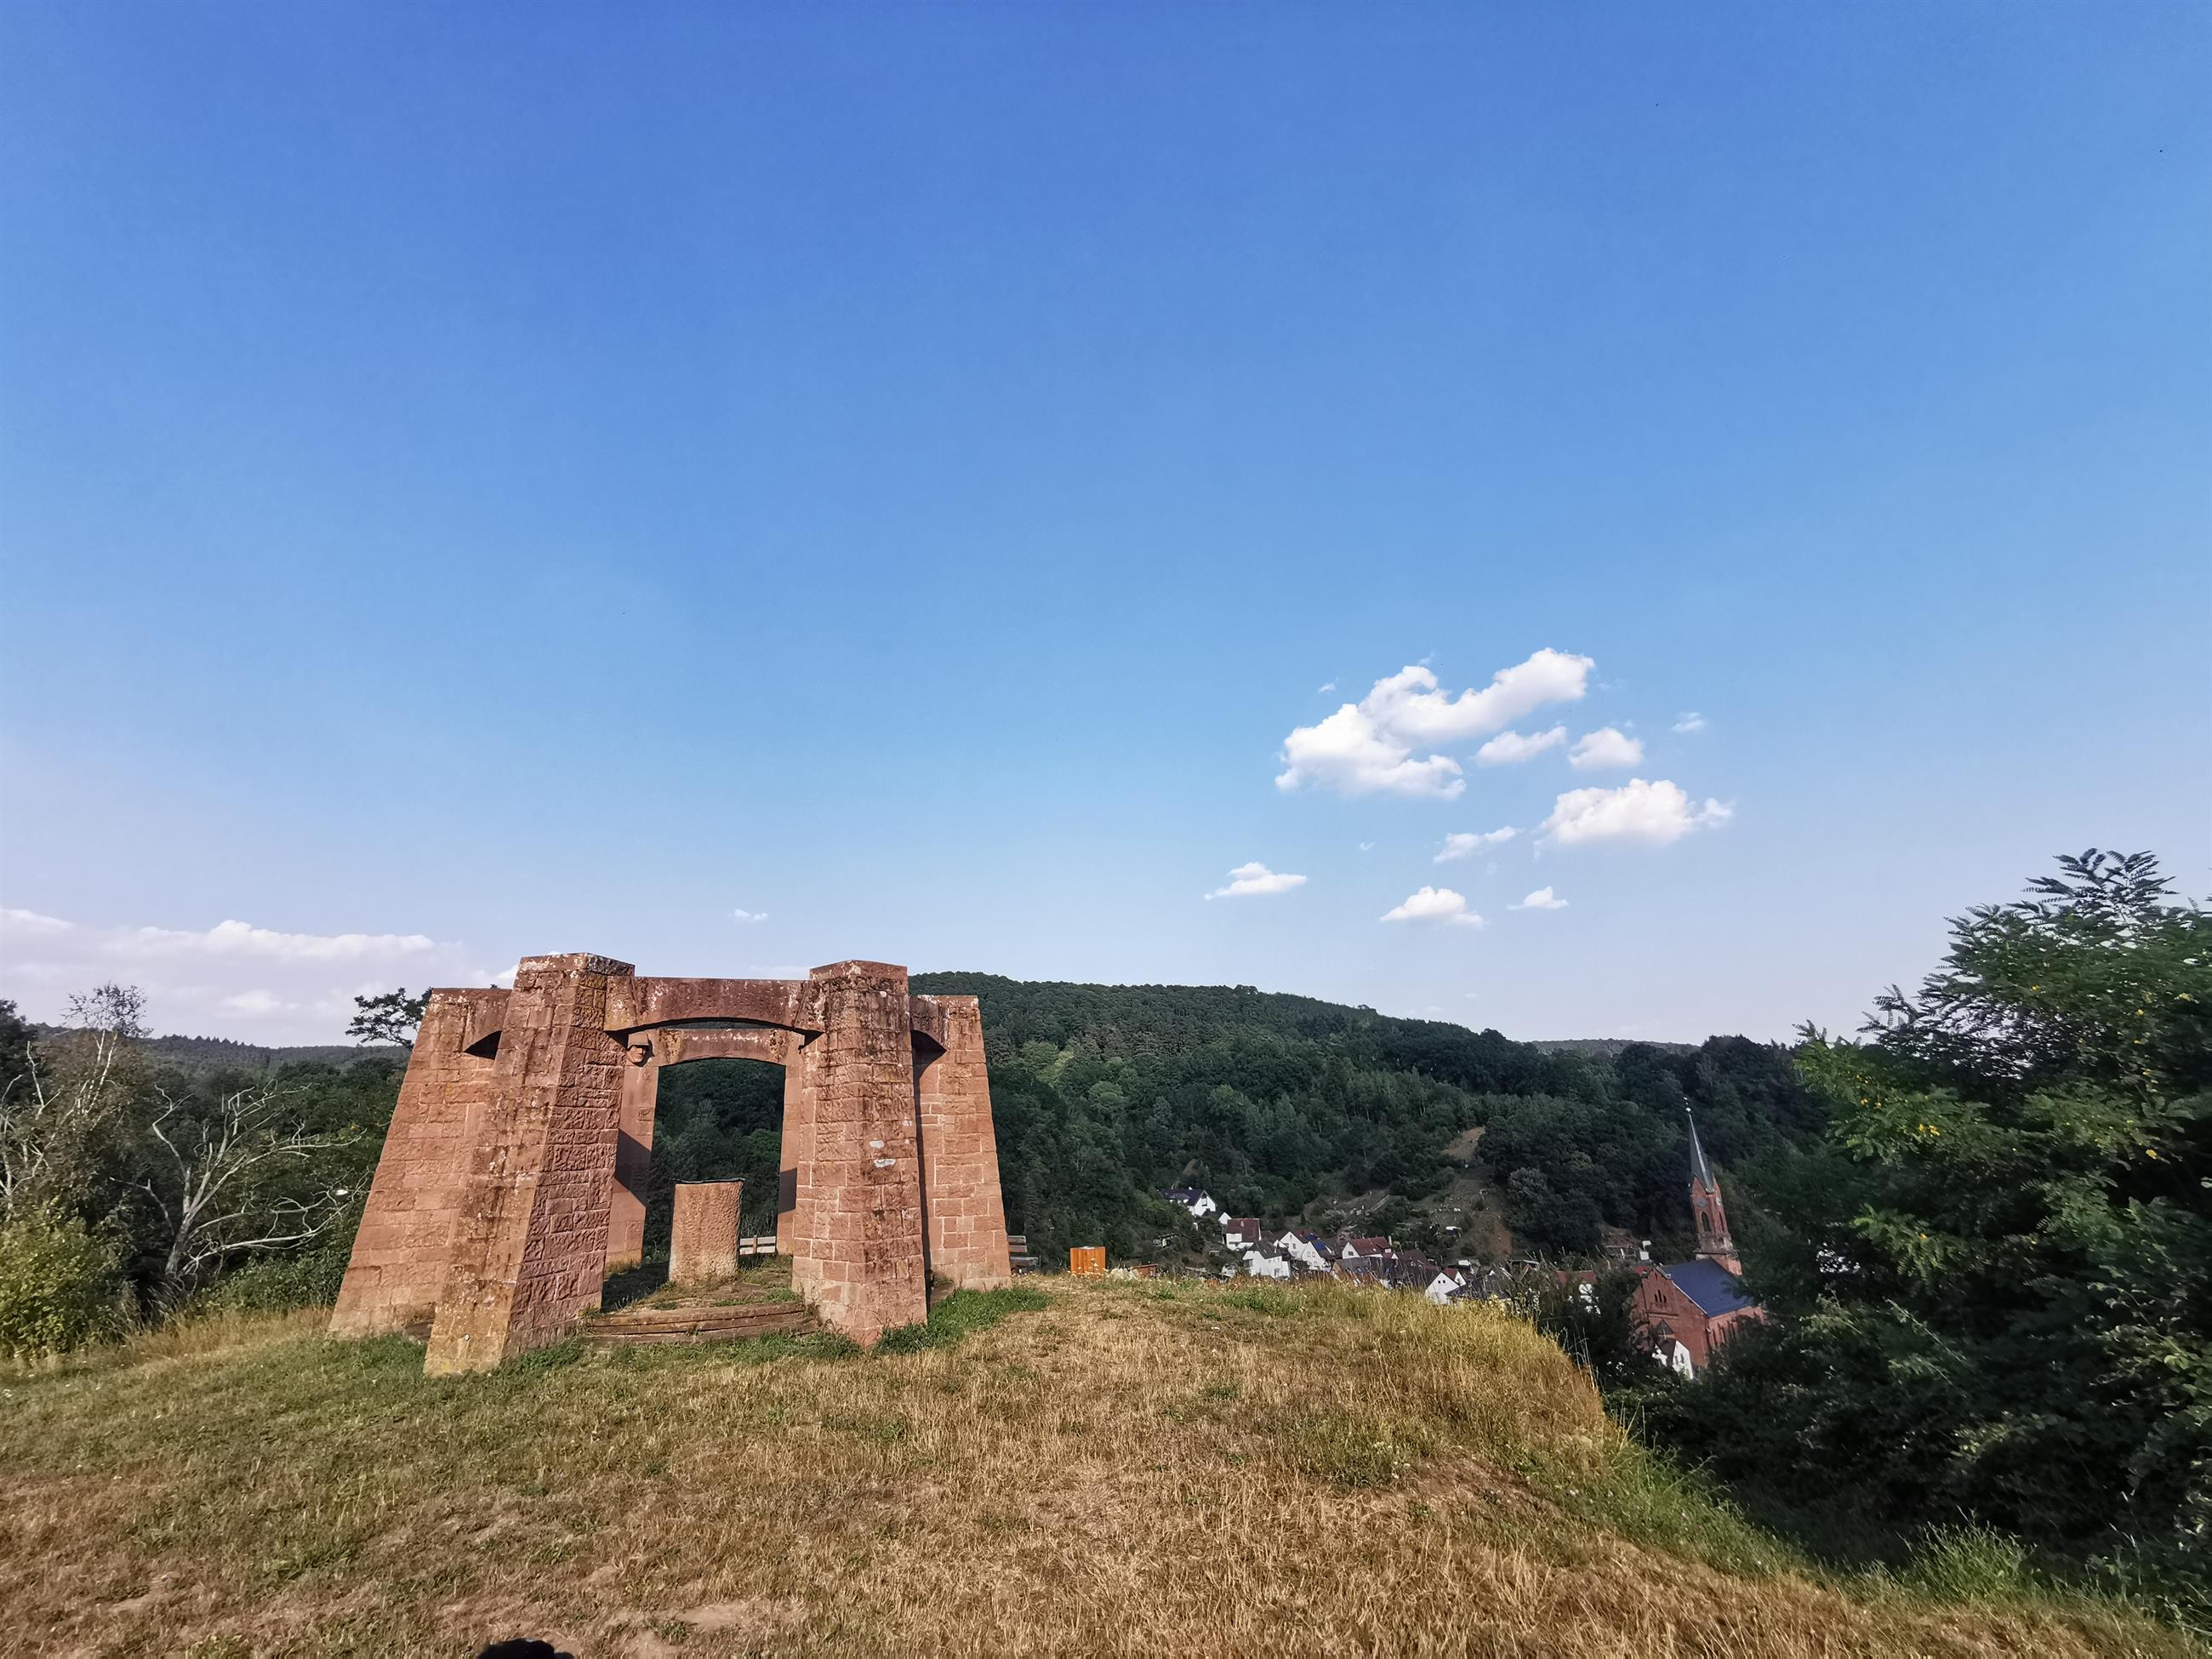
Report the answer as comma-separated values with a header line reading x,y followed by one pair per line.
x,y
1133,1022
1281,1106
1105,1095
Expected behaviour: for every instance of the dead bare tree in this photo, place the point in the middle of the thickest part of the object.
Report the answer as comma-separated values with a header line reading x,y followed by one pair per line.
x,y
214,1192
54,1115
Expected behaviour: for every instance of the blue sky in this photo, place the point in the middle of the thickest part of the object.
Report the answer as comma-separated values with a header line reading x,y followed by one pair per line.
x,y
479,480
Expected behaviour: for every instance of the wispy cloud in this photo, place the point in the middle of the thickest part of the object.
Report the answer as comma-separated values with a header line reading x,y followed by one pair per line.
x,y
1542,899
1252,880
30,922
235,979
742,914
1692,722
1509,748
1434,904
1465,844
242,938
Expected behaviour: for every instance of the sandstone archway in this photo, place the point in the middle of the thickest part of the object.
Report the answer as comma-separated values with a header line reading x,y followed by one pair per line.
x,y
495,1210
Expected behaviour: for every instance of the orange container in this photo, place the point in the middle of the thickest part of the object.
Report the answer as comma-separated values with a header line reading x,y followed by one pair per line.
x,y
1087,1261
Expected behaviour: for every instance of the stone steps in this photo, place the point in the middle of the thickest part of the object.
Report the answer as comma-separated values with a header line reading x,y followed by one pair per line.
x,y
636,1325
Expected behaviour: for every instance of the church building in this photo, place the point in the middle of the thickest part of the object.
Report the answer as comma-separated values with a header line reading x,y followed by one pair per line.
x,y
1686,1309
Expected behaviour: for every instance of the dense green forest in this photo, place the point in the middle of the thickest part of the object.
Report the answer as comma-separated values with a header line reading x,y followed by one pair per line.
x,y
1105,1096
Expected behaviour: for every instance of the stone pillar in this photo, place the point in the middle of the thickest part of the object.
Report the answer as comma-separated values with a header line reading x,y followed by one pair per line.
x,y
798,1154
530,1246
703,1245
857,1230
960,1156
405,1240
640,1090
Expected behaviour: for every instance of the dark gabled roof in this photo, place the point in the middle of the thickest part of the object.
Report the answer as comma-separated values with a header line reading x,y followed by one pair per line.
x,y
1708,1284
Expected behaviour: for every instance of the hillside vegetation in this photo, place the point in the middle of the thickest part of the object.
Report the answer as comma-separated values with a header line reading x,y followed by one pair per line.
x,y
1105,1095
1134,1468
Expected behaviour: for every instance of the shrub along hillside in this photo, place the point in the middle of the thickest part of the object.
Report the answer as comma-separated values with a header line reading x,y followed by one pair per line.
x,y
1131,1469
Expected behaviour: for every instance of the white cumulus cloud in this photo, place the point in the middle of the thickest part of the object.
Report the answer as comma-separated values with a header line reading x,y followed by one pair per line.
x,y
1508,747
1435,904
1690,722
742,914
1654,812
1466,843
1249,880
1542,899
1369,747
1605,747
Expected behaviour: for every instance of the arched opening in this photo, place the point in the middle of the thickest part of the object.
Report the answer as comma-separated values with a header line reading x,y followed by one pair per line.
x,y
716,1120
702,1104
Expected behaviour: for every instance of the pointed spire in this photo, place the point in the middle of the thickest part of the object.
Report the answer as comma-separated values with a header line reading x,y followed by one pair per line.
x,y
1714,1243
1701,1172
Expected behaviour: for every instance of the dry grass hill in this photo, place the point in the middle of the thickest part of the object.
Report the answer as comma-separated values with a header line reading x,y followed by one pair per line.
x,y
1134,1468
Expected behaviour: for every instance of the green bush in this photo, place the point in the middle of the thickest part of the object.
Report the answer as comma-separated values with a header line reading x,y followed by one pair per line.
x,y
277,1284
60,1287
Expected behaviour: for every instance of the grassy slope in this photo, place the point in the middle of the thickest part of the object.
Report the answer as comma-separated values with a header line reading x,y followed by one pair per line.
x,y
1137,1467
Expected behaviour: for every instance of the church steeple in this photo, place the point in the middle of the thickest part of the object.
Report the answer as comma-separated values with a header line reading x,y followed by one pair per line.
x,y
1714,1243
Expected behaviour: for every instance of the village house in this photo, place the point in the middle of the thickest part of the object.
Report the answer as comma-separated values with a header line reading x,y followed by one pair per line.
x,y
1308,1251
1241,1232
1198,1203
1686,1309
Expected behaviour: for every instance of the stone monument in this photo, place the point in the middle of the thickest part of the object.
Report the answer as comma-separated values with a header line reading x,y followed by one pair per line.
x,y
512,1179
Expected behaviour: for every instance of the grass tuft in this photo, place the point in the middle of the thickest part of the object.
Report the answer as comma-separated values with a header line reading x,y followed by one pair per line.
x,y
961,1314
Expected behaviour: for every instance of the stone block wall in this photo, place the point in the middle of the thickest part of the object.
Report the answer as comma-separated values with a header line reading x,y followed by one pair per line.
x,y
794,1176
530,1248
966,1216
640,1093
857,1245
401,1253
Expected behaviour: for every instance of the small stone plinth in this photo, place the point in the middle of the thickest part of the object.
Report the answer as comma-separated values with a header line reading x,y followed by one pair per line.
x,y
703,1246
